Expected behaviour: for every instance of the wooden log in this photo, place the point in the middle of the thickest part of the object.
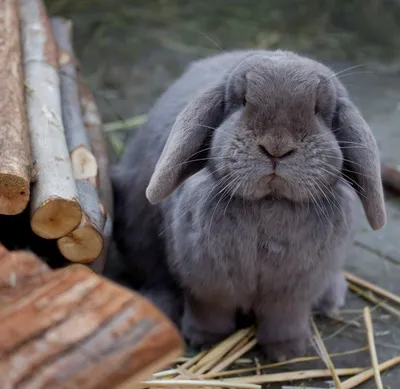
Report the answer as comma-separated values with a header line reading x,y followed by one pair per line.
x,y
85,243
55,210
94,129
15,151
79,330
390,178
84,164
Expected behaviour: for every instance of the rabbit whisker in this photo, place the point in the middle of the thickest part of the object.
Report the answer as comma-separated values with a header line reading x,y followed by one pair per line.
x,y
224,191
341,172
196,160
323,134
354,73
231,197
211,40
358,174
314,200
208,149
345,70
334,201
344,142
345,160
327,200
347,170
214,128
343,148
317,205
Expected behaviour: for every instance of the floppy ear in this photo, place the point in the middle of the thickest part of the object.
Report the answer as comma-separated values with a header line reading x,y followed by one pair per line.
x,y
192,128
361,158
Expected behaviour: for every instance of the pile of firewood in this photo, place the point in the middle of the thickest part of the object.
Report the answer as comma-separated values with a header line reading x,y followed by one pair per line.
x,y
53,154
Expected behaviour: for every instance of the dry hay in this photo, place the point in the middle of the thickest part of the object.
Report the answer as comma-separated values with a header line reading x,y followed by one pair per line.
x,y
227,365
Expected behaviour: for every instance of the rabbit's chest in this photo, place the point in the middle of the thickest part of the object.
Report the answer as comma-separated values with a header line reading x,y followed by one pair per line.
x,y
286,244
215,253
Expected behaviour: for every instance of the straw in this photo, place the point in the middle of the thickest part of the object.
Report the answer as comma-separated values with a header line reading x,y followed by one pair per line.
x,y
325,355
372,349
284,363
374,288
369,373
292,376
197,384
370,297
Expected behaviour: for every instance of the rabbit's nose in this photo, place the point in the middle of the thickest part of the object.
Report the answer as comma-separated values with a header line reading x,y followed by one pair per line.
x,y
275,153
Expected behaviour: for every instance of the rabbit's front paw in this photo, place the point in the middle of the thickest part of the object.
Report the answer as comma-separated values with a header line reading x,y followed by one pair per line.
x,y
200,339
204,324
281,351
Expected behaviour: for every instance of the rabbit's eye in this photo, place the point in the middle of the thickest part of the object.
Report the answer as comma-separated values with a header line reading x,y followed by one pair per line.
x,y
316,109
244,101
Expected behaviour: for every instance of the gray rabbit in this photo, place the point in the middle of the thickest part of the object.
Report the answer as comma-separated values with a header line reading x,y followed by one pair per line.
x,y
240,192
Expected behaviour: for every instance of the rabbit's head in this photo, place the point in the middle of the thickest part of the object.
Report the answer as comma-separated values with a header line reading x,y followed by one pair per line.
x,y
277,125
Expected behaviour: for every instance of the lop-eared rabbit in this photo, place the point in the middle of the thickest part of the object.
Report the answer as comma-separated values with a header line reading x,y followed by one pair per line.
x,y
239,195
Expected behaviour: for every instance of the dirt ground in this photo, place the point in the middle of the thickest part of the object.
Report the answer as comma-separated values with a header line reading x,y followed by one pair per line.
x,y
130,51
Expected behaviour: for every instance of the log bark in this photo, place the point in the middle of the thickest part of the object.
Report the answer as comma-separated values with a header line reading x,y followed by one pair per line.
x,y
84,164
85,243
79,330
15,151
390,178
94,128
55,210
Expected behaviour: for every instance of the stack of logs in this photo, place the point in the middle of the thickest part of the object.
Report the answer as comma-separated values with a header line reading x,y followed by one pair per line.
x,y
53,154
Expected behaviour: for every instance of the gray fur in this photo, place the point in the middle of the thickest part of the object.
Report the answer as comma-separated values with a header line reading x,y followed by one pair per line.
x,y
218,226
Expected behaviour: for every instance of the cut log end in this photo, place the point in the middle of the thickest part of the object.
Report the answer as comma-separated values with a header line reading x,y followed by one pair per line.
x,y
83,245
55,218
14,194
84,164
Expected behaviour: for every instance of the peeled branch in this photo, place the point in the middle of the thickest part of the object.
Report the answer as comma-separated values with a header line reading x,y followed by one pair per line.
x,y
15,152
84,164
55,209
85,243
94,129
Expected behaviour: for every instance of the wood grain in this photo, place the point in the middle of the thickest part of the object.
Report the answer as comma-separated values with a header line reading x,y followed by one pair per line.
x,y
55,210
15,151
78,330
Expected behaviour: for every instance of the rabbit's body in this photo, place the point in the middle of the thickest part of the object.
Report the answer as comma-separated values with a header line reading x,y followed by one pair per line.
x,y
269,256
255,214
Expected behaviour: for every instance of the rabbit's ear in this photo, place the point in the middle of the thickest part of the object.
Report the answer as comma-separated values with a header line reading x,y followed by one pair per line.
x,y
361,160
192,129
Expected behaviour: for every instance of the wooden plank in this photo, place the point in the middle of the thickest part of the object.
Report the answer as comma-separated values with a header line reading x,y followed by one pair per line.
x,y
77,329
